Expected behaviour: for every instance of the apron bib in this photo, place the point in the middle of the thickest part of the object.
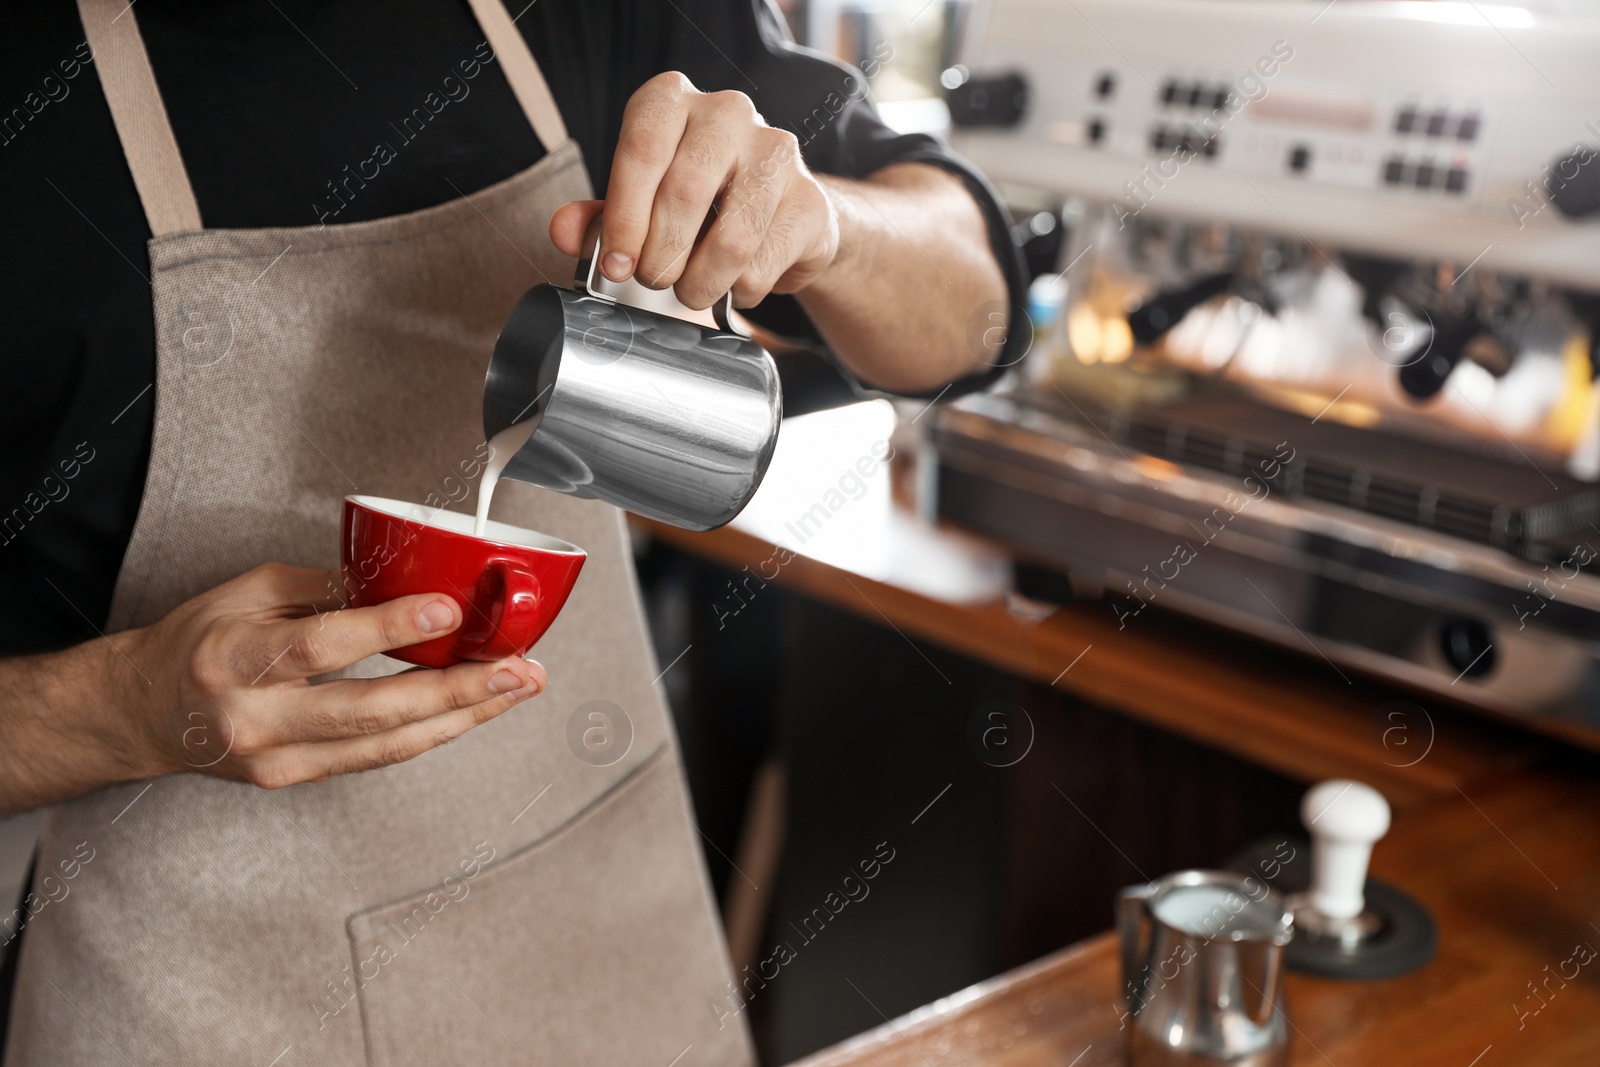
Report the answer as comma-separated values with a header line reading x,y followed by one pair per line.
x,y
499,899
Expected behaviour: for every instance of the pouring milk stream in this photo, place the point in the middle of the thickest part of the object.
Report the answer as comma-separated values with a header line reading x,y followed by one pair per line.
x,y
502,446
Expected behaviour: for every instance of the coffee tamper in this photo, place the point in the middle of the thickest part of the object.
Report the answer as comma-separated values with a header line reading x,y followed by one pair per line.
x,y
1347,926
1345,819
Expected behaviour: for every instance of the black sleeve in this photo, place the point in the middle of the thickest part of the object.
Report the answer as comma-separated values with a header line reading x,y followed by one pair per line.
x,y
745,45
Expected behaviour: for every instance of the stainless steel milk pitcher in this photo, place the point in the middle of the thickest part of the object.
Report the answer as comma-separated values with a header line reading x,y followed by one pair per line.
x,y
1202,963
634,399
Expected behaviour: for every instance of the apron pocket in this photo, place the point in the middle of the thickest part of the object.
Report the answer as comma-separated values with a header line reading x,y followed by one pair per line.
x,y
597,944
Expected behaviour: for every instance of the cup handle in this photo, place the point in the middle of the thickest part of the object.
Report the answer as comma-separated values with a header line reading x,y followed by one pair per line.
x,y
507,603
1133,929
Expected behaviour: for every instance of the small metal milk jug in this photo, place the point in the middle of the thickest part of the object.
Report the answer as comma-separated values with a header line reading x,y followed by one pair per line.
x,y
631,397
1202,966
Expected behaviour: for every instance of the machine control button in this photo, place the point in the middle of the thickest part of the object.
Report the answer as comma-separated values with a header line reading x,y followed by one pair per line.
x,y
1456,180
1197,94
1095,130
1106,85
1406,120
1169,92
1437,122
1468,129
1299,158
1468,646
1394,170
1423,178
1575,184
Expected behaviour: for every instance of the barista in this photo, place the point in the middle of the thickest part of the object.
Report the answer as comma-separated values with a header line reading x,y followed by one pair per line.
x,y
257,256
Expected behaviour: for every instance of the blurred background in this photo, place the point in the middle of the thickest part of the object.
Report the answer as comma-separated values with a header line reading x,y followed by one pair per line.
x,y
1335,256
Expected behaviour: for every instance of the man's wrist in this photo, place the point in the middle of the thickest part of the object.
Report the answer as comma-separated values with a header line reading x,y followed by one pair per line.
x,y
842,206
66,727
100,694
129,732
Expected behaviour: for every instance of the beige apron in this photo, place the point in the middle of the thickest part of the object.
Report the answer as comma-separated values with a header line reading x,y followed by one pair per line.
x,y
497,901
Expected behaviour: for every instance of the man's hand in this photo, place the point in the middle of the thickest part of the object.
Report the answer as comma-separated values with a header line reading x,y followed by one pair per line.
x,y
682,153
221,686
895,269
233,696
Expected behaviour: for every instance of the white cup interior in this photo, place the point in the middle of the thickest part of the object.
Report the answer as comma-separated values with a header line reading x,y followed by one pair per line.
x,y
456,522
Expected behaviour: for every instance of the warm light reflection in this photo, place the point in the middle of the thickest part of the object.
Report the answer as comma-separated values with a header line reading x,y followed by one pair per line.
x,y
1097,338
1116,340
1157,468
1567,419
1317,406
1083,333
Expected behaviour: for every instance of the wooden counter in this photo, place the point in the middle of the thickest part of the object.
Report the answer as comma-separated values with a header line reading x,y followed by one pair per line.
x,y
1511,874
1504,850
863,552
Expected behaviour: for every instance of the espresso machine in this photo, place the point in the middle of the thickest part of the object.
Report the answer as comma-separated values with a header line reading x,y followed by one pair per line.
x,y
1314,355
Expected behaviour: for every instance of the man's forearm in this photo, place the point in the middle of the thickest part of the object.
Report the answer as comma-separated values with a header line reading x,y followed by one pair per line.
x,y
908,302
59,735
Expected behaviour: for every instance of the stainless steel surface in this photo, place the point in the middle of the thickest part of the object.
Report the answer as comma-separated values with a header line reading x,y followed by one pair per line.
x,y
668,418
1202,962
1346,935
1344,588
1332,79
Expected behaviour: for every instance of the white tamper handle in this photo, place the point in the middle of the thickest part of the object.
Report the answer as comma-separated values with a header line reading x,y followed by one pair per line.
x,y
1344,818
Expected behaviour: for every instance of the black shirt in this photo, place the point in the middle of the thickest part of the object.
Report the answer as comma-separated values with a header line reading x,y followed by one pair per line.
x,y
270,102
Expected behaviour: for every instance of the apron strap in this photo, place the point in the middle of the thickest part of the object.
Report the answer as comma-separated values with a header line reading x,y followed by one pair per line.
x,y
522,71
140,116
152,151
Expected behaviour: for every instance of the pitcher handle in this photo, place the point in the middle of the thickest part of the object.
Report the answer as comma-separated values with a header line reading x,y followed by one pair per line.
x,y
1133,931
589,280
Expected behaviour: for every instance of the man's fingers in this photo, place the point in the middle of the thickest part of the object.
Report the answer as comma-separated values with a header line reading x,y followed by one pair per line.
x,y
755,232
360,707
570,223
652,126
301,648
705,164
316,762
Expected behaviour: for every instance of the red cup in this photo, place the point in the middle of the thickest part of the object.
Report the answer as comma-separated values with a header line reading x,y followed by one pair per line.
x,y
510,585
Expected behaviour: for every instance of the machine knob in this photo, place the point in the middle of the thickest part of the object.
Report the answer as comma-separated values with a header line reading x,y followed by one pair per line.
x,y
996,101
1344,818
1150,321
1424,378
1575,184
1468,646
